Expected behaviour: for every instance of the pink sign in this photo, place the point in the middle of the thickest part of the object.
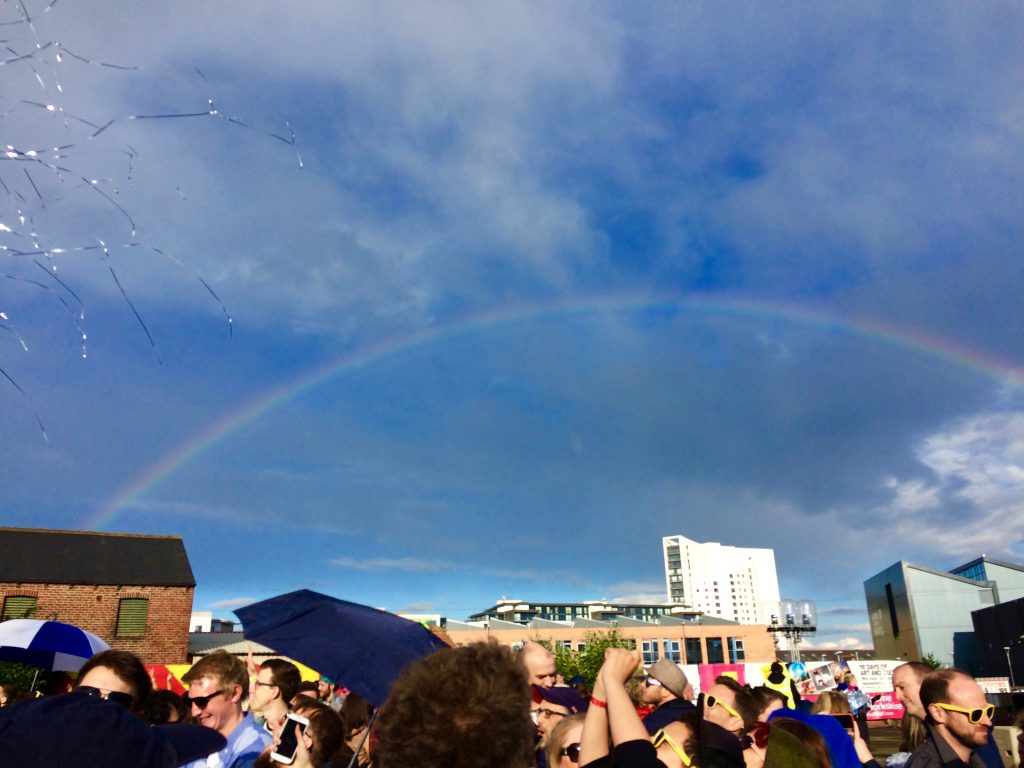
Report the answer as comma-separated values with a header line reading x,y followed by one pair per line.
x,y
708,673
886,708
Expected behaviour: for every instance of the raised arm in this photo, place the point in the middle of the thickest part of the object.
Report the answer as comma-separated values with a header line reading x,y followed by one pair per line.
x,y
625,723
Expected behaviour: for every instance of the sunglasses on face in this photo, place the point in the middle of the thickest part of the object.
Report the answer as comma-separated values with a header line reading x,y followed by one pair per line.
x,y
974,716
710,702
650,681
201,702
124,699
661,737
572,751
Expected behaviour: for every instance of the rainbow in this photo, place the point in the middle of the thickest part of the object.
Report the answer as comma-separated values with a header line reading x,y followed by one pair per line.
x,y
256,408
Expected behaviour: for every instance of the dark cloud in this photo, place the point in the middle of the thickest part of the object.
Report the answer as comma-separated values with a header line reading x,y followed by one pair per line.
x,y
836,190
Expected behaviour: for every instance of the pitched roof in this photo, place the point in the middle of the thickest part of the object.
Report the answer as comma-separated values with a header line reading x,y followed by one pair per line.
x,y
232,642
82,557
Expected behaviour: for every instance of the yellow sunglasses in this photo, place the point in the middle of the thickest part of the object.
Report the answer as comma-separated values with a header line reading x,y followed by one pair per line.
x,y
660,737
973,715
711,701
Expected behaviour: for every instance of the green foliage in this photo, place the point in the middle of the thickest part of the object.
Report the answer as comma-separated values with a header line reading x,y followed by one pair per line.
x,y
21,675
588,661
931,661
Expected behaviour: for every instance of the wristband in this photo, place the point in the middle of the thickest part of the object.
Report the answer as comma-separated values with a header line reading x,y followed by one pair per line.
x,y
598,703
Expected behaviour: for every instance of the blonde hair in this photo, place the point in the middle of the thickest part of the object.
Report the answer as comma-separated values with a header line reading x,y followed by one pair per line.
x,y
557,734
831,703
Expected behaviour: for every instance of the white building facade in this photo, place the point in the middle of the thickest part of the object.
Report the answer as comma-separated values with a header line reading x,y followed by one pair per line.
x,y
735,583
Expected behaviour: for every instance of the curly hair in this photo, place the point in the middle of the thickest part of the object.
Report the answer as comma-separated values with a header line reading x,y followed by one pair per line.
x,y
128,667
458,708
228,669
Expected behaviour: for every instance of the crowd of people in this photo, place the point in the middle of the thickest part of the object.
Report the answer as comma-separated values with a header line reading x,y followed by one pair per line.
x,y
484,705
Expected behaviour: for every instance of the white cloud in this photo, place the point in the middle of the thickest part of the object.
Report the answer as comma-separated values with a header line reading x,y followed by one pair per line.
x,y
844,642
230,602
978,463
410,564
636,592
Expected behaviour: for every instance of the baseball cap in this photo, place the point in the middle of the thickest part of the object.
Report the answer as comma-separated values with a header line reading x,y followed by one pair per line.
x,y
670,676
560,695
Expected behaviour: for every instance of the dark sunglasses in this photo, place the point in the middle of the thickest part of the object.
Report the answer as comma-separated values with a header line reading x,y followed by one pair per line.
x,y
572,752
973,715
202,701
124,699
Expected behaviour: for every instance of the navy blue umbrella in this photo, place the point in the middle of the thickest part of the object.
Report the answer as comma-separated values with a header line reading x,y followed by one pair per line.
x,y
360,647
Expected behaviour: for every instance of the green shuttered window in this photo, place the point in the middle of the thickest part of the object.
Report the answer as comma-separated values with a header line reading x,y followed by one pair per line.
x,y
18,607
131,616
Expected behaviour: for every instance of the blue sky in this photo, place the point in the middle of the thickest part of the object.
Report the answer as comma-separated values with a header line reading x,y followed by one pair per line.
x,y
551,282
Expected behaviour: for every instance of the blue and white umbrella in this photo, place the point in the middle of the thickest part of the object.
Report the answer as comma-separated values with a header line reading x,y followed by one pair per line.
x,y
49,645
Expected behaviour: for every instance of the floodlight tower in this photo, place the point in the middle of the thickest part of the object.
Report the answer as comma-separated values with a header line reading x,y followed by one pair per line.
x,y
793,620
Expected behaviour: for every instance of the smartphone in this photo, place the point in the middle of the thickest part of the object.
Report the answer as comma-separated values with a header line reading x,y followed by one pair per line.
x,y
294,726
845,720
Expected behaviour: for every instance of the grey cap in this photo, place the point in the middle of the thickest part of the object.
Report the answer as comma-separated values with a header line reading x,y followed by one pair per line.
x,y
670,676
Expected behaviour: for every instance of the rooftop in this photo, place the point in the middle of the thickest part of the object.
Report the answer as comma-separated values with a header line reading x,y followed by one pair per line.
x,y
33,555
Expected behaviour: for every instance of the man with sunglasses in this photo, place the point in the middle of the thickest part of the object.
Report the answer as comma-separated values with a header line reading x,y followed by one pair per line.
x,y
217,685
958,721
730,706
669,692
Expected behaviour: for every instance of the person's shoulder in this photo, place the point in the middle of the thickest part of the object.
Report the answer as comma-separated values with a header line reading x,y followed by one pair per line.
x,y
681,705
924,756
639,753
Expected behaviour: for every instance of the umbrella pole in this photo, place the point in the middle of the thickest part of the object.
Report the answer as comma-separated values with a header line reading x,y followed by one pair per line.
x,y
366,734
35,677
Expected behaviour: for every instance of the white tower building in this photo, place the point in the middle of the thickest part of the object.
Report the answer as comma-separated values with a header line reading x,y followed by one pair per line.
x,y
734,583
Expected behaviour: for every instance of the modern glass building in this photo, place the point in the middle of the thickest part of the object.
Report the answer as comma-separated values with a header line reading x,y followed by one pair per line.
x,y
916,611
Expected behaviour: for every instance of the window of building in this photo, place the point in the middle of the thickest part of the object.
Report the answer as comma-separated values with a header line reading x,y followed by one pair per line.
x,y
694,652
131,616
716,653
892,610
976,572
671,650
18,607
650,650
736,654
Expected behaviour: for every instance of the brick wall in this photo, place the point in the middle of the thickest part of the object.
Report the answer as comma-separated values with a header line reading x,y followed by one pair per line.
x,y
758,646
94,608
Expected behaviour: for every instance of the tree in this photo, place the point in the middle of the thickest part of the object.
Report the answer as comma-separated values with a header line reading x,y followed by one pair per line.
x,y
588,661
931,661
22,675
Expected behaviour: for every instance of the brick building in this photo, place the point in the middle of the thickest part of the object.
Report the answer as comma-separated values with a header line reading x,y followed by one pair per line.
x,y
134,591
714,642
